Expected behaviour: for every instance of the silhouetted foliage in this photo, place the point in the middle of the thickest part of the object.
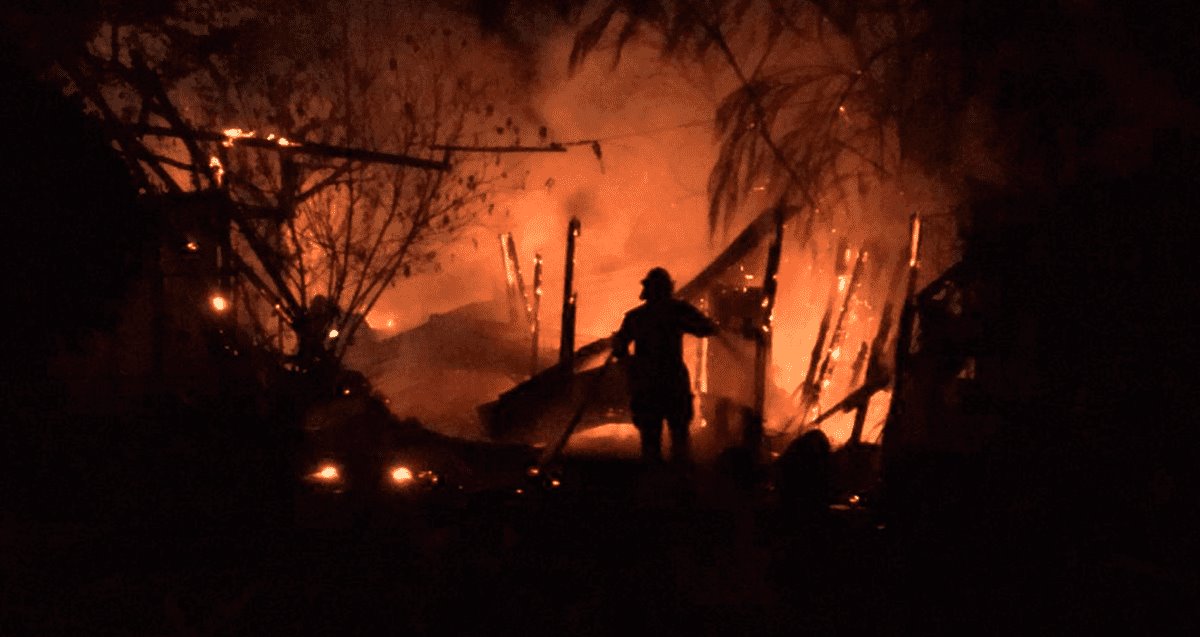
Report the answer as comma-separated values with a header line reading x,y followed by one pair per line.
x,y
303,227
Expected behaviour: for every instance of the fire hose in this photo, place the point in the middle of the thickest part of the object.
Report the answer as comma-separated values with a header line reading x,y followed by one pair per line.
x,y
554,451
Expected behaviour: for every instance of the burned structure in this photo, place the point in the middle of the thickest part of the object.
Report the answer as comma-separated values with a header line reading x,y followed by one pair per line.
x,y
732,371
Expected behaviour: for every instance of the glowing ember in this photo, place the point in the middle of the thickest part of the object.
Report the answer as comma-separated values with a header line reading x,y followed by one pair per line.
x,y
334,333
402,475
219,303
237,133
429,477
327,472
218,170
191,246
914,241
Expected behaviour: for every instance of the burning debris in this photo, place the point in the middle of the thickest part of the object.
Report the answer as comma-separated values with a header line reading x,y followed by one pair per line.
x,y
313,250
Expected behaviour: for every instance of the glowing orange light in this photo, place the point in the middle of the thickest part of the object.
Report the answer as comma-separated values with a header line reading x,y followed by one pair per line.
x,y
914,241
218,170
401,475
429,477
219,303
333,333
555,483
533,472
327,472
191,246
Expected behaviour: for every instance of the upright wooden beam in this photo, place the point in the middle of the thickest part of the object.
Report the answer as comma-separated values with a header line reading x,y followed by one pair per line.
x,y
534,314
753,430
566,343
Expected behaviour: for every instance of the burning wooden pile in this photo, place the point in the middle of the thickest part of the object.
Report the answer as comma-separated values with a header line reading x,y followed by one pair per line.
x,y
732,371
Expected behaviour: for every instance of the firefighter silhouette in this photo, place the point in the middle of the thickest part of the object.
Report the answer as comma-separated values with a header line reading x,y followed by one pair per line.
x,y
658,379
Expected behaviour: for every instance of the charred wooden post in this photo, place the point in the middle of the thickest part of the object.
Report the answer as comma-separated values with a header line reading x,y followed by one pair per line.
x,y
877,377
833,354
566,343
860,362
534,314
904,333
805,390
513,262
809,389
753,431
510,280
522,293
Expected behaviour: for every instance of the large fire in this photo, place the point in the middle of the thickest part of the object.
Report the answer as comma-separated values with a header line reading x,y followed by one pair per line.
x,y
639,186
643,204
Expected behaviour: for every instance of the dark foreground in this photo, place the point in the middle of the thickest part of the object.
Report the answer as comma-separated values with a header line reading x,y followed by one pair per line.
x,y
610,551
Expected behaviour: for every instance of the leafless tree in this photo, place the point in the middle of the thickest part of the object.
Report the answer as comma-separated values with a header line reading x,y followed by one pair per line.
x,y
315,238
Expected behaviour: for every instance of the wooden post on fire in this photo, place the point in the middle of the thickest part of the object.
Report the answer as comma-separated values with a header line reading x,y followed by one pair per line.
x,y
510,279
877,376
511,251
534,314
808,390
753,430
834,351
896,411
566,343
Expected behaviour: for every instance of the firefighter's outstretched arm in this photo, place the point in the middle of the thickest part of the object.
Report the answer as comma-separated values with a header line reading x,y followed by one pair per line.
x,y
620,341
696,323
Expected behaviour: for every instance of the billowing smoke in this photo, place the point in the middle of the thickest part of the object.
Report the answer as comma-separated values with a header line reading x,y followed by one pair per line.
x,y
639,193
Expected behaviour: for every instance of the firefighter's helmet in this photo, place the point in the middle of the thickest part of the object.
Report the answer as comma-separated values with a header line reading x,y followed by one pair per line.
x,y
657,284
